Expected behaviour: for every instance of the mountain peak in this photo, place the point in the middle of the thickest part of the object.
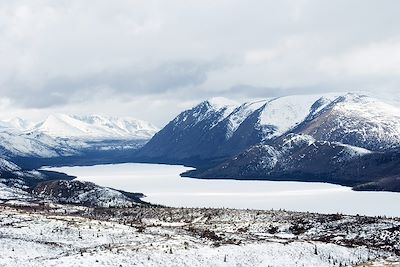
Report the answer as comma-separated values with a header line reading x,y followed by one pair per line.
x,y
17,123
221,102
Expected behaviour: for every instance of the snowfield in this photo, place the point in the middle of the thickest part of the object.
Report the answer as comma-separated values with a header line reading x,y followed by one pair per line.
x,y
63,235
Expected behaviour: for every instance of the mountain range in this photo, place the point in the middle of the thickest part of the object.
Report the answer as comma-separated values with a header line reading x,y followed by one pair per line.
x,y
64,139
349,139
67,140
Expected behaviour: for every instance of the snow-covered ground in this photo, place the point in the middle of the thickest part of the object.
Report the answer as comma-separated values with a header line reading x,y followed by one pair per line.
x,y
11,193
77,236
163,185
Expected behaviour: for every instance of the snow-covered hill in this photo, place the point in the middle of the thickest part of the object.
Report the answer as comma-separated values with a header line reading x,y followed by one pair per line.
x,y
40,185
86,193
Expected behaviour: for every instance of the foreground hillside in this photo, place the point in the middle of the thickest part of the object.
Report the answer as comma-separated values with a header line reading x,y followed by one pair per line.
x,y
64,235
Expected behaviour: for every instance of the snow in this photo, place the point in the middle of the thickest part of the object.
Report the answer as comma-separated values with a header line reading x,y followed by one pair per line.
x,y
378,119
37,145
273,254
167,237
236,118
63,135
76,192
220,103
353,117
284,113
294,139
11,193
212,111
6,165
353,151
18,124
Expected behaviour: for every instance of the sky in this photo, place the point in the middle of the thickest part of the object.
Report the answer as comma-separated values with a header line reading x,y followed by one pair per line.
x,y
152,59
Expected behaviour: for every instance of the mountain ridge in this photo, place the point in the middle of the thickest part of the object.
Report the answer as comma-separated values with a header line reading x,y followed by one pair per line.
x,y
335,131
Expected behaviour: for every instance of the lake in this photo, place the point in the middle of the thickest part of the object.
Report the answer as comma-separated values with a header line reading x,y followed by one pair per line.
x,y
162,185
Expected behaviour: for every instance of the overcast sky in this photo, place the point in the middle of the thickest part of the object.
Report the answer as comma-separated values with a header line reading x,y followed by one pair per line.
x,y
151,59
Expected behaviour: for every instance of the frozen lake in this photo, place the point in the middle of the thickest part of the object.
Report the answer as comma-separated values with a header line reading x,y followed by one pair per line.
x,y
163,185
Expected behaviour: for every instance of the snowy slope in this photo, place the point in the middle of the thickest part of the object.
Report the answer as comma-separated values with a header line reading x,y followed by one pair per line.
x,y
219,128
75,236
85,193
17,123
356,120
209,113
284,113
236,118
348,138
62,135
14,143
95,127
189,132
12,193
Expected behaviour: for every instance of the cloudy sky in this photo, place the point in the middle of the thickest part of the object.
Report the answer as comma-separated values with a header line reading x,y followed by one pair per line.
x,y
150,59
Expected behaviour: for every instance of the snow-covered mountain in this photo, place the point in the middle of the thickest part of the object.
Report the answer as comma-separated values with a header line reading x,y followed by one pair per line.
x,y
16,124
247,141
217,131
63,139
15,143
193,132
95,127
302,158
357,120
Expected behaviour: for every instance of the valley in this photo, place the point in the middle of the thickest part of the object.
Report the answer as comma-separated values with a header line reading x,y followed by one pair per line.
x,y
199,133
274,177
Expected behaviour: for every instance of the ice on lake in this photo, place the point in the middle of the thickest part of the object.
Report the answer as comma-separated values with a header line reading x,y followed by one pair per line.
x,y
162,185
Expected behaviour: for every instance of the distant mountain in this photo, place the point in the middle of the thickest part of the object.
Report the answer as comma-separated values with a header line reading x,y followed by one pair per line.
x,y
67,140
17,124
309,137
63,139
14,143
95,127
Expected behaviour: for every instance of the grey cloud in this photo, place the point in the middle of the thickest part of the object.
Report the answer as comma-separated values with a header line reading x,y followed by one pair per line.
x,y
249,91
60,54
130,82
